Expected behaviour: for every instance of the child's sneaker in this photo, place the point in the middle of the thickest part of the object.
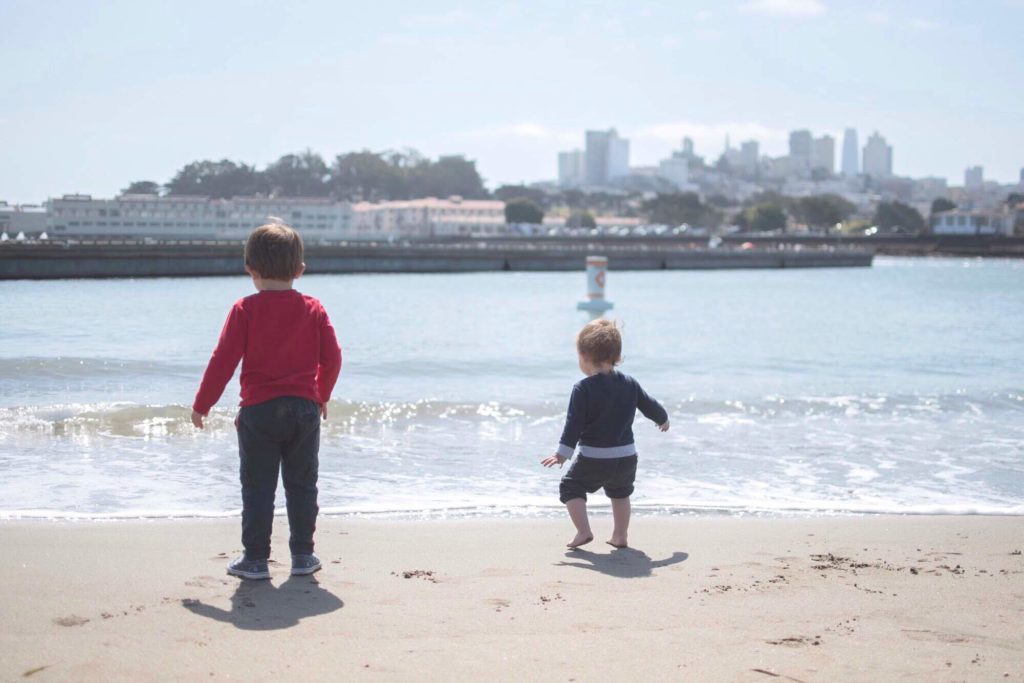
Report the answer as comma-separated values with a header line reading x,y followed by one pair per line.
x,y
249,569
305,564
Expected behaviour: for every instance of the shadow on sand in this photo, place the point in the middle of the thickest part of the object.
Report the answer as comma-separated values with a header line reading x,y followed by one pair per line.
x,y
262,606
624,563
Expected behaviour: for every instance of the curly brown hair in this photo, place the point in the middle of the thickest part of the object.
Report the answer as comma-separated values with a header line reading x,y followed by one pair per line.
x,y
274,252
600,342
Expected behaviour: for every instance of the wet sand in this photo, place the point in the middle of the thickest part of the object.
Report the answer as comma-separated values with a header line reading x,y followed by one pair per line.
x,y
695,598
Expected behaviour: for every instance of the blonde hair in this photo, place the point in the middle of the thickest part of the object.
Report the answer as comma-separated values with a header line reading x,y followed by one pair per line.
x,y
274,252
600,342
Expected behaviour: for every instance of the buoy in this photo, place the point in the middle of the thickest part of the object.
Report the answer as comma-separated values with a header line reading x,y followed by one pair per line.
x,y
597,275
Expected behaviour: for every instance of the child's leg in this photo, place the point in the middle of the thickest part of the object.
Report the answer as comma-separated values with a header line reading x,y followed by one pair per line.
x,y
577,508
572,491
299,470
619,488
259,461
621,509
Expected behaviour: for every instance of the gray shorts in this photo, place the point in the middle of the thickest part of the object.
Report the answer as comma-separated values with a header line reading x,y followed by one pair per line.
x,y
587,475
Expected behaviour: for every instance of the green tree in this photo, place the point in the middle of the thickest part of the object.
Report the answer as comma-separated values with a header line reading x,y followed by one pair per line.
x,y
217,180
368,176
898,217
523,210
142,187
450,175
822,211
762,218
680,207
940,204
298,175
581,219
507,192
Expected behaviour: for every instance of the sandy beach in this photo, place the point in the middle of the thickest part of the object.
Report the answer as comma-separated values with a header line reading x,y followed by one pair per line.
x,y
696,598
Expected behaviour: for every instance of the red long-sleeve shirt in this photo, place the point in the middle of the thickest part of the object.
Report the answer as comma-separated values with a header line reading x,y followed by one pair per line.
x,y
287,347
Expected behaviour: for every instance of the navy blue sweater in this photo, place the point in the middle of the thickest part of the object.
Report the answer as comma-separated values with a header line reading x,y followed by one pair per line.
x,y
600,416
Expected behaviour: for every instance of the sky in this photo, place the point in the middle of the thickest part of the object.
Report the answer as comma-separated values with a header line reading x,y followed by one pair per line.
x,y
94,95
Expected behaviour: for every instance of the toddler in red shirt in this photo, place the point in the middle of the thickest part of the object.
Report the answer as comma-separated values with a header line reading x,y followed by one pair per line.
x,y
290,362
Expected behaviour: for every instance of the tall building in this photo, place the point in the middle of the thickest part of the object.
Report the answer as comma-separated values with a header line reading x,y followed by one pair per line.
x,y
800,143
606,157
675,169
974,177
877,157
618,157
851,155
749,156
688,150
823,154
1022,176
571,168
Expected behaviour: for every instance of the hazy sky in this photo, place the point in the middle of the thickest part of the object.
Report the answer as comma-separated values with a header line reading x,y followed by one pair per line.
x,y
96,94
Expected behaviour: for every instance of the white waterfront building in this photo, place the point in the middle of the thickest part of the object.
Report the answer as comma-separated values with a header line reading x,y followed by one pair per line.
x,y
28,219
429,217
193,218
958,222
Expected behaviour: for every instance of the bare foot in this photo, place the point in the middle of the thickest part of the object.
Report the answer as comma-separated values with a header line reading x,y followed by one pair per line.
x,y
617,542
581,539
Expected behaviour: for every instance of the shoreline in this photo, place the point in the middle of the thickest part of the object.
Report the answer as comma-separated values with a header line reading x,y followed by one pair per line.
x,y
696,598
597,506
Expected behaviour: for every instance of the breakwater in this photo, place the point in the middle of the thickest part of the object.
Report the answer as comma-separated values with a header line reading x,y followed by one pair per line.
x,y
50,260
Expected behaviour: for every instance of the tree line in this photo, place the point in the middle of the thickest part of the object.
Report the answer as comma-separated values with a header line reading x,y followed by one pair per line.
x,y
355,176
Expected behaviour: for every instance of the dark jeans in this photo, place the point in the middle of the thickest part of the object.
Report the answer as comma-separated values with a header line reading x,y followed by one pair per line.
x,y
281,434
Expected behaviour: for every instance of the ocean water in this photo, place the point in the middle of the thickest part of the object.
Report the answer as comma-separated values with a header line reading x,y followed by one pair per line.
x,y
898,388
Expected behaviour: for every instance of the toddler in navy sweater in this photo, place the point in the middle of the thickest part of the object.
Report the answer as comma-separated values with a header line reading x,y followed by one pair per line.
x,y
600,418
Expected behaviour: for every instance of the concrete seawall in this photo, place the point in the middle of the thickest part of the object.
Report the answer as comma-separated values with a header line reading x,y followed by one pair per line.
x,y
54,260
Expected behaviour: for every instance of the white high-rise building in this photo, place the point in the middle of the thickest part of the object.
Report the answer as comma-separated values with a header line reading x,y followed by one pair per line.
x,y
606,157
749,156
877,157
823,154
851,155
675,169
800,143
974,177
571,167
618,157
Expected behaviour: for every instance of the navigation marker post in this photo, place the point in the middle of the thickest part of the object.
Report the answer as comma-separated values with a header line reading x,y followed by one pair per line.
x,y
597,269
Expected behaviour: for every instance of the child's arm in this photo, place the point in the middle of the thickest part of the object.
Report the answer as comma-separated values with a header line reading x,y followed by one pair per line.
x,y
651,409
329,364
223,362
574,421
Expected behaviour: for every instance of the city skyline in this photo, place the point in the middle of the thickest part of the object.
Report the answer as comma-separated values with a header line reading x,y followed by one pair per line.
x,y
107,94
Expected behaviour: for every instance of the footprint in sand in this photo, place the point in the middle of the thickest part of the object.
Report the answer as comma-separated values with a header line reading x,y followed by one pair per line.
x,y
499,603
796,641
72,620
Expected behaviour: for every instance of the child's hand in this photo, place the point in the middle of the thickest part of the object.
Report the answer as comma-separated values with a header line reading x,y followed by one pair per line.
x,y
553,460
664,427
197,419
323,410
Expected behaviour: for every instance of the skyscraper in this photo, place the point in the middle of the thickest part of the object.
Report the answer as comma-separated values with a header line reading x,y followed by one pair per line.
x,y
877,157
606,158
570,168
823,154
851,155
974,177
800,142
749,156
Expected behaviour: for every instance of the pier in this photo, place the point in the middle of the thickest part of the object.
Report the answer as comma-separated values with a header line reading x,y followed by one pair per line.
x,y
116,258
